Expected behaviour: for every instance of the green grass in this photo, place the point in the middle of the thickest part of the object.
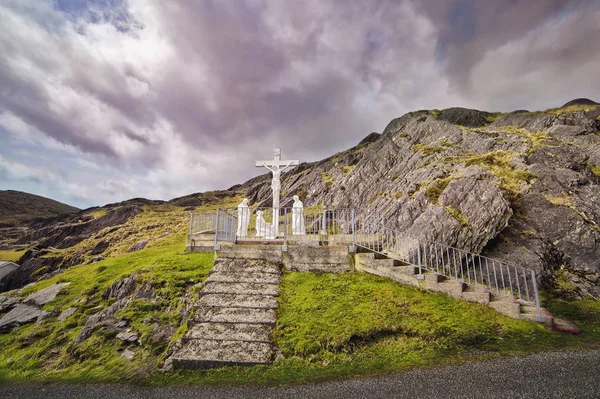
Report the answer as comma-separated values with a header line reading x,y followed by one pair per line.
x,y
328,180
11,255
427,150
595,169
329,326
339,326
45,352
499,163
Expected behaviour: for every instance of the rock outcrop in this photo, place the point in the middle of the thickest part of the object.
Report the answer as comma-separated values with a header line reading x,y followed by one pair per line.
x,y
522,186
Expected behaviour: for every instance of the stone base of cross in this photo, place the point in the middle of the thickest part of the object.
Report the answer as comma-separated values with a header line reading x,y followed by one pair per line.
x,y
276,166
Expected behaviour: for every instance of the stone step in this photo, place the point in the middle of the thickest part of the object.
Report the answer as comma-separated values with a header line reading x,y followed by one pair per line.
x,y
240,288
244,277
408,270
235,315
229,332
480,295
238,301
506,306
204,353
234,266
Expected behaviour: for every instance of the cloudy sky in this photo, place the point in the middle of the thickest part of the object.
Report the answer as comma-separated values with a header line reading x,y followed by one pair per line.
x,y
105,100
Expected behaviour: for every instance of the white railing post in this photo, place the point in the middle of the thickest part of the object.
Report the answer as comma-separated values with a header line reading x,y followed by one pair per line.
x,y
217,230
420,276
539,317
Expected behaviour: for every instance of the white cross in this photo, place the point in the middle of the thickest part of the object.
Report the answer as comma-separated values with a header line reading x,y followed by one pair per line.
x,y
276,166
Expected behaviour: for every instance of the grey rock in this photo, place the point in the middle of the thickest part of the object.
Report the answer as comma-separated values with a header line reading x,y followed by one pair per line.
x,y
138,246
46,295
162,334
127,354
127,336
66,313
8,302
21,314
122,324
121,288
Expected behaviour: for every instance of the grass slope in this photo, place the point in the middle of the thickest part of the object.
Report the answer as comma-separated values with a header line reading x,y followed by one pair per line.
x,y
19,207
329,326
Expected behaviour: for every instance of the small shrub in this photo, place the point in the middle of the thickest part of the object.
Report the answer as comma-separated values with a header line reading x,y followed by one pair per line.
x,y
595,169
426,150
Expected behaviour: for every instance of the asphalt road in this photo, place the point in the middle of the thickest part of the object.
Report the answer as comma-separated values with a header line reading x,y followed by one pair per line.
x,y
543,375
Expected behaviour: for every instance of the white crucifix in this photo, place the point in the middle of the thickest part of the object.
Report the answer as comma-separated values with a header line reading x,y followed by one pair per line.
x,y
276,166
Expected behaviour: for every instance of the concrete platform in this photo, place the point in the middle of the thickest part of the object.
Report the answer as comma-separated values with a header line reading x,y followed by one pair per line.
x,y
240,301
204,353
231,332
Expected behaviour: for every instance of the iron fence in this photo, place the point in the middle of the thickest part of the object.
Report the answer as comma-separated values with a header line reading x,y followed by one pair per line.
x,y
371,232
500,278
202,222
226,225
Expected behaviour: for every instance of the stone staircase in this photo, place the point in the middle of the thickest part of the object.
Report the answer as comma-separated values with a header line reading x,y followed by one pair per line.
x,y
234,316
380,265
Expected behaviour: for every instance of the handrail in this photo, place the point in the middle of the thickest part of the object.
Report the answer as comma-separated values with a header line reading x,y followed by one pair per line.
x,y
500,278
372,233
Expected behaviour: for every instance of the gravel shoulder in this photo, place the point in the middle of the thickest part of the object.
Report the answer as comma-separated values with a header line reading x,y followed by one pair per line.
x,y
569,374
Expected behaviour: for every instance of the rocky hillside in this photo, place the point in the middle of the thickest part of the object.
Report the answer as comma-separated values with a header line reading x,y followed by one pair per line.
x,y
17,207
521,186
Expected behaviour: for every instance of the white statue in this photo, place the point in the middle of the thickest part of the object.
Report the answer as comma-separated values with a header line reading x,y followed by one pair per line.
x,y
298,217
243,218
263,229
276,166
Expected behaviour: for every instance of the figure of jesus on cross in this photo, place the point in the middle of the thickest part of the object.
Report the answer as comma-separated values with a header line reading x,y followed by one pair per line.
x,y
276,166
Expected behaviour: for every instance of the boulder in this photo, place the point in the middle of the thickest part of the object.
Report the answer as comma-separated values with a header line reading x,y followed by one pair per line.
x,y
138,246
21,314
66,313
46,295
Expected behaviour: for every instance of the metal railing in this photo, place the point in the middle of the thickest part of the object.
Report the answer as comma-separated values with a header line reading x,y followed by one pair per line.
x,y
500,278
202,222
226,226
307,225
372,233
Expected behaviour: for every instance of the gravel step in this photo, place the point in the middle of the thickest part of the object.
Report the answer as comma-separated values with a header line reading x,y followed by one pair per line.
x,y
203,353
229,332
240,288
235,315
244,277
238,301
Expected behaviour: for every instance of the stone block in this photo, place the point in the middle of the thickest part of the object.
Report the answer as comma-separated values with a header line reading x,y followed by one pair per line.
x,y
235,315
244,277
204,353
506,306
240,301
229,332
241,288
329,259
268,253
476,296
242,265
451,288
